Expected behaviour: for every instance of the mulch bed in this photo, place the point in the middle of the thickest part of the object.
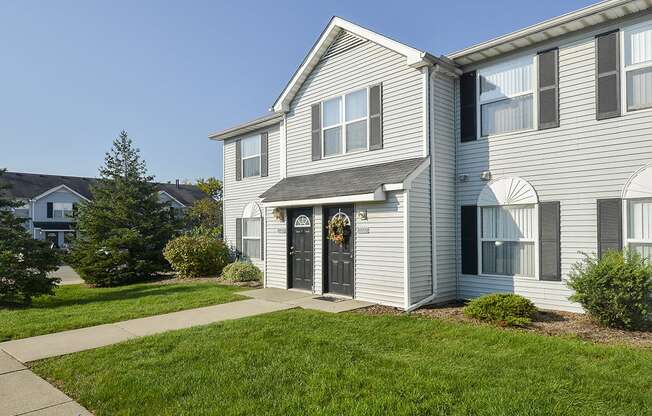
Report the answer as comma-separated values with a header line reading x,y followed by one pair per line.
x,y
546,323
173,280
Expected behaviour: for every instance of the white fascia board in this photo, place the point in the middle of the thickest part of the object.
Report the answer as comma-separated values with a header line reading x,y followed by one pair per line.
x,y
413,57
377,195
58,188
173,198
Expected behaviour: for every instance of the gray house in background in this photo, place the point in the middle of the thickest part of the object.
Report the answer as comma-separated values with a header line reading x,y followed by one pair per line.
x,y
50,201
486,170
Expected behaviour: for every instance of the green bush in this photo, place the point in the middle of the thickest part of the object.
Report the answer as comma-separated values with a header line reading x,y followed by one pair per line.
x,y
242,272
193,256
615,290
505,309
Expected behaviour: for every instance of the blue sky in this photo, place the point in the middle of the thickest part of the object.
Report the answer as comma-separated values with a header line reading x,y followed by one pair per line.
x,y
73,74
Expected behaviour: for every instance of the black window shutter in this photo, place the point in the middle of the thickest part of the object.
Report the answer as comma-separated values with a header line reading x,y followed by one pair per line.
x,y
262,238
50,208
610,225
238,234
607,87
375,117
75,206
316,131
469,233
468,117
549,89
238,160
549,241
264,154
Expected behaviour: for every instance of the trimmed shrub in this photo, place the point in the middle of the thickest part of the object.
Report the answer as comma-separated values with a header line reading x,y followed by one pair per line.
x,y
241,271
505,309
615,290
193,256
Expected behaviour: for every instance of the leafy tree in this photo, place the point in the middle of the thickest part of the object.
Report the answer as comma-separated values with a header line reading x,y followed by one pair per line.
x,y
211,186
24,262
123,229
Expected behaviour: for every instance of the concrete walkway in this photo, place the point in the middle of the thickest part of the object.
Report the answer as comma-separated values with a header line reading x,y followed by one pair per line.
x,y
67,275
24,393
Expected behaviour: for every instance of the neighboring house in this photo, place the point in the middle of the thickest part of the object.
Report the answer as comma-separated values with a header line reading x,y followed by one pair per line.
x,y
488,170
50,201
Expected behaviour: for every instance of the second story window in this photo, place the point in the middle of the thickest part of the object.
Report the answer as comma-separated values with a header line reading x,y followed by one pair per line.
x,y
344,126
251,156
638,66
506,97
62,210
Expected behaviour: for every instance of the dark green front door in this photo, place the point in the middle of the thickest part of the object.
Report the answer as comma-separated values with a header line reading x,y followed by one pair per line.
x,y
300,248
339,257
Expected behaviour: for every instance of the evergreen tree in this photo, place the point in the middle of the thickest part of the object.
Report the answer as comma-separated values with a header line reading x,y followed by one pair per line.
x,y
122,230
24,262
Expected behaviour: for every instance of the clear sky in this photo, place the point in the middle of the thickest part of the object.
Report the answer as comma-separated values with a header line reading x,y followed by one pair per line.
x,y
73,74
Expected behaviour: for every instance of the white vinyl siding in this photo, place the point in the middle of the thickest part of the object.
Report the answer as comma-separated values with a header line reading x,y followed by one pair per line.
x,y
420,241
379,254
637,45
237,196
507,240
275,251
364,65
639,226
507,97
581,161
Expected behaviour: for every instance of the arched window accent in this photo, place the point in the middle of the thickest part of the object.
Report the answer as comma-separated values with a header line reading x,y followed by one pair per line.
x,y
252,220
346,218
302,221
508,231
637,196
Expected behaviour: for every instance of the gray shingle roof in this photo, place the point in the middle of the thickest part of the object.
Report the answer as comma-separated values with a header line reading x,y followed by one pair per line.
x,y
30,185
352,181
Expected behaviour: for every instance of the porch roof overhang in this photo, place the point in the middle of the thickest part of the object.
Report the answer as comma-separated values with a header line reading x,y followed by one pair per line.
x,y
360,184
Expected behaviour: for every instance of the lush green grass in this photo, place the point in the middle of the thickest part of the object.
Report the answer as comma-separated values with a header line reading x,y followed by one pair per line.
x,y
299,362
78,306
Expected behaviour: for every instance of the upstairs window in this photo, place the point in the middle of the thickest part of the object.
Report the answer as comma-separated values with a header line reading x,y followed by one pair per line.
x,y
508,239
639,226
344,123
251,156
637,49
61,210
506,97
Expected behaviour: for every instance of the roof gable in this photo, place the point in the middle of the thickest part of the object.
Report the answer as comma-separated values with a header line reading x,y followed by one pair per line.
x,y
343,34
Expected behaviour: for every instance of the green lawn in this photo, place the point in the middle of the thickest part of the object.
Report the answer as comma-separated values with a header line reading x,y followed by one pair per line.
x,y
300,362
78,306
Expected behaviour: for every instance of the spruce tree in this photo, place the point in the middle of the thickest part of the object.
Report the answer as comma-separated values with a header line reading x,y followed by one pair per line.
x,y
122,230
24,262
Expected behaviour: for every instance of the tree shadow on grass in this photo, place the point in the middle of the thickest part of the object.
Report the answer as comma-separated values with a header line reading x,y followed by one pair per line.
x,y
98,295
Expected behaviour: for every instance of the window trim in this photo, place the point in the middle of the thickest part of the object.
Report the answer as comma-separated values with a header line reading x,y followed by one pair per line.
x,y
259,156
624,69
343,123
534,92
259,238
625,211
534,240
62,210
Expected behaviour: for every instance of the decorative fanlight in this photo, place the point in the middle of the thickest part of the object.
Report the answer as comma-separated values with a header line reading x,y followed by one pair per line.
x,y
302,221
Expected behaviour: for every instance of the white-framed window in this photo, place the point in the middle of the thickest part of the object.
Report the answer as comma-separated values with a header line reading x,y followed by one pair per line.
x,y
639,226
61,210
636,45
508,240
506,97
345,123
250,147
251,237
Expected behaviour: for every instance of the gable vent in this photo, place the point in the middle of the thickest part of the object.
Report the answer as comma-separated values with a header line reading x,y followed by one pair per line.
x,y
342,43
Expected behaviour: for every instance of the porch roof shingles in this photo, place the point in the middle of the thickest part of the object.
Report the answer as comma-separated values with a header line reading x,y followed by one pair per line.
x,y
352,181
